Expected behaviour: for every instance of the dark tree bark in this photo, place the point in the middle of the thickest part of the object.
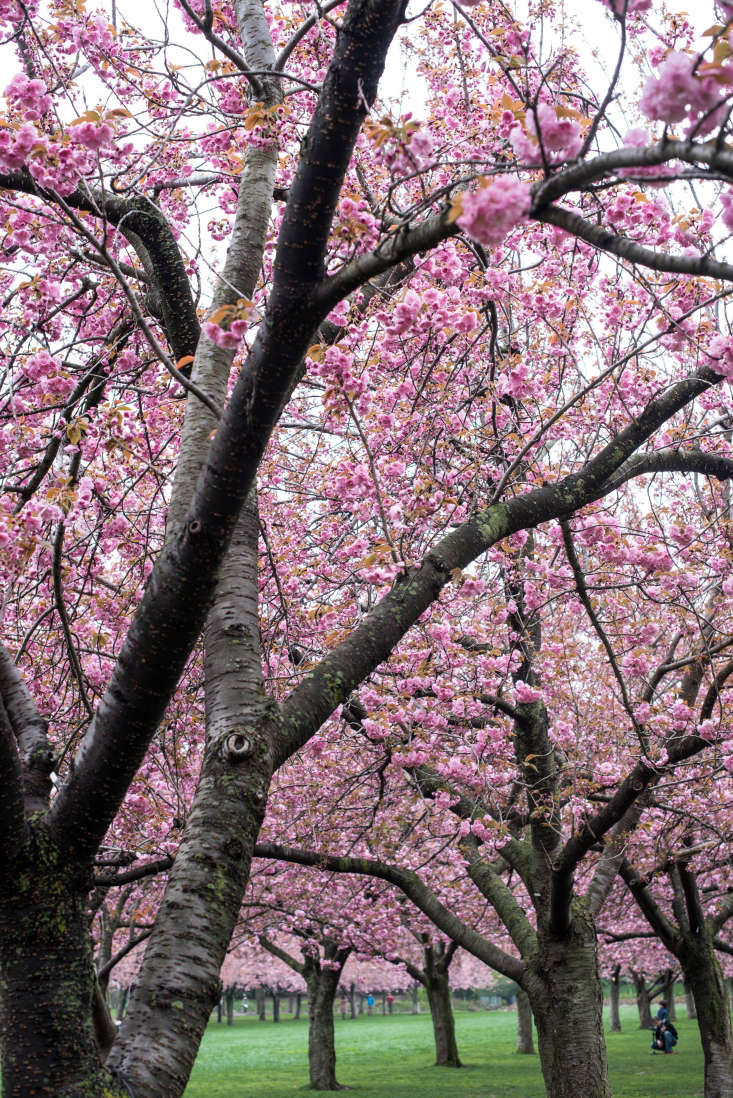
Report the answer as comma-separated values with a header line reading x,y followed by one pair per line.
x,y
322,981
690,1002
525,1024
691,938
707,984
614,986
261,1004
229,1004
643,1000
444,1026
564,986
48,980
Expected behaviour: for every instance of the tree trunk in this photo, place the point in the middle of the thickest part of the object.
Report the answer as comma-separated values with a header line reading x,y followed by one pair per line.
x,y
298,1005
124,993
690,1002
275,1005
384,1003
525,1035
229,1004
564,987
322,987
415,1001
261,1004
444,1026
219,1012
352,1000
706,982
614,987
47,983
668,993
642,1001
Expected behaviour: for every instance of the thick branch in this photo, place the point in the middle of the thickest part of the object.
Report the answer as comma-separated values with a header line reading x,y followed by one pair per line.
x,y
622,246
30,732
286,958
651,911
150,869
415,889
12,816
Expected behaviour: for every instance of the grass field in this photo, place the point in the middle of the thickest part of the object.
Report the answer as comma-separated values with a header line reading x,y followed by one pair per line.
x,y
393,1058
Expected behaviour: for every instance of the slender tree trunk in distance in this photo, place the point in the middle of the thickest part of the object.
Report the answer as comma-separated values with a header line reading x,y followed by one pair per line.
x,y
668,995
322,987
384,1003
706,982
298,1005
614,987
124,993
642,1001
261,1004
525,1034
275,1005
229,1003
415,1001
444,1026
352,1000
219,1012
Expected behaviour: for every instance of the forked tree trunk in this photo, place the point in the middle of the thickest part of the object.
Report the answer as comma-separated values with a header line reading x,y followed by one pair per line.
x,y
47,982
322,987
707,985
564,987
444,1026
614,987
525,1033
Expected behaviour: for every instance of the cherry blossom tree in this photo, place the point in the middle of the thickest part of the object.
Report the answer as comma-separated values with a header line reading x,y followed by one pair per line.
x,y
284,371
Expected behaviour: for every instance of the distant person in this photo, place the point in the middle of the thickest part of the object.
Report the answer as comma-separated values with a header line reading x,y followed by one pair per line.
x,y
370,1003
390,1001
665,1038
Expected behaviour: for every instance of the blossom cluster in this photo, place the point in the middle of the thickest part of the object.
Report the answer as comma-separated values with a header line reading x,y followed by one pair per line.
x,y
490,212
549,137
680,93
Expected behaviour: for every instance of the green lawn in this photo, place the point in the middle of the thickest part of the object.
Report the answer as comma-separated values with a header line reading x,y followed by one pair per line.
x,y
393,1058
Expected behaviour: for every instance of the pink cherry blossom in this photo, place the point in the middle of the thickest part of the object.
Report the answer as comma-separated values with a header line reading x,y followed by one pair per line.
x,y
493,210
560,138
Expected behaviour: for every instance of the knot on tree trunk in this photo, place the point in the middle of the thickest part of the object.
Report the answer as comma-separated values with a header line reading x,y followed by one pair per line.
x,y
237,746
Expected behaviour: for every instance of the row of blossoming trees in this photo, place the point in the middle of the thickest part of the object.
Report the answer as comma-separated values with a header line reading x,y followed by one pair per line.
x,y
365,481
